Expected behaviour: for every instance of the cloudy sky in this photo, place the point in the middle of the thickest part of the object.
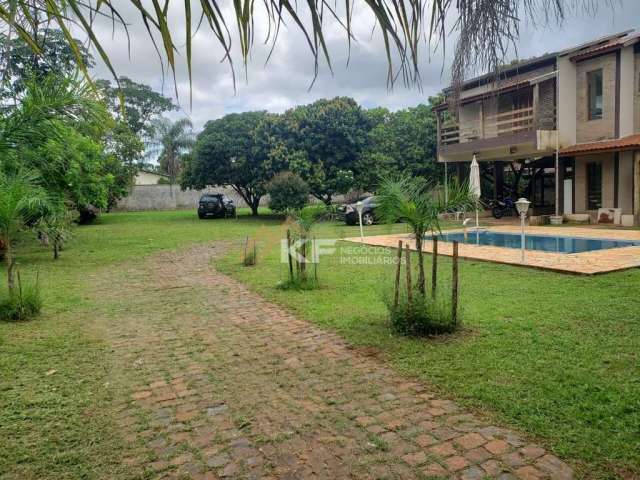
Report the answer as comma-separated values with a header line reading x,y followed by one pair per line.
x,y
285,80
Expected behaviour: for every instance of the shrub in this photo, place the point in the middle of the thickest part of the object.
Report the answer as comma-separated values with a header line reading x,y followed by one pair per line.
x,y
423,316
22,303
299,283
287,191
250,257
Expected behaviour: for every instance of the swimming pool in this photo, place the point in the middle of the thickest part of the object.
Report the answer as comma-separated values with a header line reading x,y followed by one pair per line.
x,y
545,243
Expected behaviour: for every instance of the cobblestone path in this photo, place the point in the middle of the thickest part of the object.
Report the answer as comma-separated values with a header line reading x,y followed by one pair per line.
x,y
219,383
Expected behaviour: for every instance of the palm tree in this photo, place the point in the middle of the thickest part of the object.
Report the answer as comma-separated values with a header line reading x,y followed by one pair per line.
x,y
486,29
169,142
22,201
418,203
304,220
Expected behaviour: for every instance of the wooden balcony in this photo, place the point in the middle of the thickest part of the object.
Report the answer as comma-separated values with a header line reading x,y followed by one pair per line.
x,y
492,126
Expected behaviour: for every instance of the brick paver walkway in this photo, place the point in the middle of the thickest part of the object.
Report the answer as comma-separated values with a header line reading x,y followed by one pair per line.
x,y
223,384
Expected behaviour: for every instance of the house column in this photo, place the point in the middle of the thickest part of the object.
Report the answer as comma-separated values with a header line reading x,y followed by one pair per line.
x,y
498,180
636,189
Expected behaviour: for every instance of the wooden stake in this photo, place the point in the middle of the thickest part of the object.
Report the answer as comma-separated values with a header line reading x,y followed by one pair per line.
x,y
246,243
315,260
454,284
434,266
396,294
255,252
289,255
408,269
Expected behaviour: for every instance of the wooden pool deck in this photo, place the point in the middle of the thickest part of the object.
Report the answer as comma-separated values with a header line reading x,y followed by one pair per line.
x,y
586,263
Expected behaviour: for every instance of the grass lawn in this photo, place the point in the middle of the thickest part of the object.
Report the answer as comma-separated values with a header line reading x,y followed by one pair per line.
x,y
556,356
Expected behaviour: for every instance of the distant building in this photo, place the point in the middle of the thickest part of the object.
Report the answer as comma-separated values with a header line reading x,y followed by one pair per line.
x,y
568,122
147,177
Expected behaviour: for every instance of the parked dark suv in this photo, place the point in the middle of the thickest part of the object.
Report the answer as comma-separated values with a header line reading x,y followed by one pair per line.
x,y
216,205
368,212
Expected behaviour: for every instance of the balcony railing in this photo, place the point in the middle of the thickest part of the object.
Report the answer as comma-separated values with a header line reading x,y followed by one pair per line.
x,y
506,123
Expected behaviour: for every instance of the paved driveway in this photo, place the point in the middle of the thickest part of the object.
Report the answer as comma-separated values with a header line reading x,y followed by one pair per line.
x,y
219,383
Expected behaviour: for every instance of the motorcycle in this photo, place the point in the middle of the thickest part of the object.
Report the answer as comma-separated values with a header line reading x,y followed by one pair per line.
x,y
500,208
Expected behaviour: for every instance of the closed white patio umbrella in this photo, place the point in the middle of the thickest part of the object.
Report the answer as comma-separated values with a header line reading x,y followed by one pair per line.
x,y
474,185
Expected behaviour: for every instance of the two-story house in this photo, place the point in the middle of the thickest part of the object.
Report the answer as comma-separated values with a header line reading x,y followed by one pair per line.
x,y
562,129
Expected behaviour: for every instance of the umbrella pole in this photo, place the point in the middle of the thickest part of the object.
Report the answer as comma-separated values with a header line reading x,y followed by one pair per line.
x,y
477,217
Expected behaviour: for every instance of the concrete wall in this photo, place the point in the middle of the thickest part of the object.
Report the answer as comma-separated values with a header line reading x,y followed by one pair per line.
x,y
147,178
636,101
162,197
636,188
627,90
604,128
580,187
567,102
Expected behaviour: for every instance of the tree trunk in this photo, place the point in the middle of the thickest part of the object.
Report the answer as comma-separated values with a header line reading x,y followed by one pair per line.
x,y
454,284
408,272
421,277
434,266
252,200
289,255
398,266
303,255
56,250
255,204
8,255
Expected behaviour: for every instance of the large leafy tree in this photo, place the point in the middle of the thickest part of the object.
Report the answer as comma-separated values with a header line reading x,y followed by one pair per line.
x,y
227,153
20,62
332,134
135,104
404,141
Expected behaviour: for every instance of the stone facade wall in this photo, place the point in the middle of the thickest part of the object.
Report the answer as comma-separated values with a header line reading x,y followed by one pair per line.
x,y
604,128
546,105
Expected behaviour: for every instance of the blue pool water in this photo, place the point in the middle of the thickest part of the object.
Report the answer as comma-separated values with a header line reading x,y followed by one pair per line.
x,y
536,242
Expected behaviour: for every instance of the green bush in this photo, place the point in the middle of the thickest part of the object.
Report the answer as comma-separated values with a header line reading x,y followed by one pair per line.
x,y
299,283
23,303
423,316
287,191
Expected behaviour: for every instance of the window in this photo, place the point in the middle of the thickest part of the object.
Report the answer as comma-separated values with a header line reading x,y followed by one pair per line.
x,y
594,186
594,87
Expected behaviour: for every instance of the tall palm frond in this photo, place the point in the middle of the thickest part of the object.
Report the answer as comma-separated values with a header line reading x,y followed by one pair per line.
x,y
486,28
50,98
22,202
419,204
168,142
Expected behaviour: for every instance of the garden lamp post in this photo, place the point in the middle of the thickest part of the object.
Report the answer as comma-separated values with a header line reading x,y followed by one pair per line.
x,y
359,210
522,205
